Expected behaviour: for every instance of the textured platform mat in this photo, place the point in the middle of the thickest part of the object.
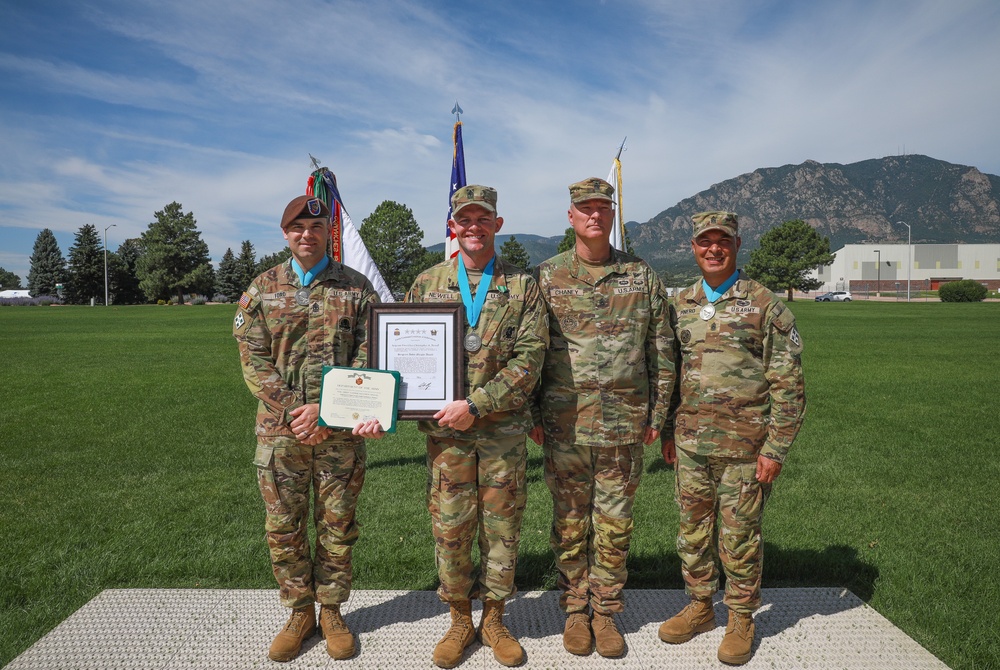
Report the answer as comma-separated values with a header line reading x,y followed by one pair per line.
x,y
819,628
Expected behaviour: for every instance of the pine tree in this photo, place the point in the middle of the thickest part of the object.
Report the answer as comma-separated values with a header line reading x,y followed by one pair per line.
x,y
85,275
175,259
514,253
227,279
246,265
48,267
125,288
269,261
568,241
394,239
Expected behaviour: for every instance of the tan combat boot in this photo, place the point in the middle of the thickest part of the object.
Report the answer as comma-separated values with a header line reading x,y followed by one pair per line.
x,y
697,617
299,627
339,638
577,638
738,640
493,633
448,652
610,643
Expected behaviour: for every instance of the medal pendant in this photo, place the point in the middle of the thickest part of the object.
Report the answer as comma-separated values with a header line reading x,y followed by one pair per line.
x,y
707,312
302,297
473,342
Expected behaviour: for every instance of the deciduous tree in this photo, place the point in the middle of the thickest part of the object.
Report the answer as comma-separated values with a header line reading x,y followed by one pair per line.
x,y
786,255
175,258
85,275
9,280
48,267
394,240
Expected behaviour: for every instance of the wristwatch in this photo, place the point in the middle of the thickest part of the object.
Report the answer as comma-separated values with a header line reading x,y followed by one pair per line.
x,y
472,408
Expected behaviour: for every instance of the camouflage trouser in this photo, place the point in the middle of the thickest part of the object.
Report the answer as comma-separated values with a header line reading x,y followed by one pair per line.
x,y
476,485
721,508
593,488
336,470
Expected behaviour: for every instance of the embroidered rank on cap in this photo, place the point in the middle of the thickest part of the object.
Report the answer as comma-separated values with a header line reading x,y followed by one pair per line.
x,y
245,301
314,206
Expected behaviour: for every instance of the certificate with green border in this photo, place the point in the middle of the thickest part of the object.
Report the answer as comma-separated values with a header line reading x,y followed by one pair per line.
x,y
350,396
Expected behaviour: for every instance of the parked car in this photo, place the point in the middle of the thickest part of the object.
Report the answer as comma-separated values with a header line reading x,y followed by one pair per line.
x,y
834,296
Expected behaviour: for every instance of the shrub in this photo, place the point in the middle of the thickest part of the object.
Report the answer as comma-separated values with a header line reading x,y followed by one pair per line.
x,y
161,301
966,290
200,300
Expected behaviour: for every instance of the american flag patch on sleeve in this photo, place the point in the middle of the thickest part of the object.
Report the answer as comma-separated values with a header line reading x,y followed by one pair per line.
x,y
245,301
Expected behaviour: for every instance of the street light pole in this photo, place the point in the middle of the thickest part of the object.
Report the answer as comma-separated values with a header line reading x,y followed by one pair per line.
x,y
106,263
909,260
878,274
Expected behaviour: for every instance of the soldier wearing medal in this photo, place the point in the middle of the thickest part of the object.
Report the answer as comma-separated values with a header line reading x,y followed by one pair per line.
x,y
476,448
294,318
604,393
740,404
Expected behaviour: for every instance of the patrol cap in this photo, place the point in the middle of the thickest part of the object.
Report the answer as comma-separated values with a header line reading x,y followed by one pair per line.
x,y
305,207
474,194
724,221
593,188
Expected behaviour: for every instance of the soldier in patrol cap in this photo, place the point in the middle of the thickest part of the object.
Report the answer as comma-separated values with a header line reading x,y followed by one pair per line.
x,y
740,406
605,391
296,317
476,454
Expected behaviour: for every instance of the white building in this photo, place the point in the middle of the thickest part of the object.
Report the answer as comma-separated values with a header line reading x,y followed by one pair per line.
x,y
883,267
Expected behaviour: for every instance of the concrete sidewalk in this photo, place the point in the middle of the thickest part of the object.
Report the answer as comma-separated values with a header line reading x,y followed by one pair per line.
x,y
816,628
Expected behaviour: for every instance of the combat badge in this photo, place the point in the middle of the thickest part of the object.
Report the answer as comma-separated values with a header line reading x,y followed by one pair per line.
x,y
569,323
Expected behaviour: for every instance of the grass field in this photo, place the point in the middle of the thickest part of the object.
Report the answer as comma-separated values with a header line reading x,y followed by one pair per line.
x,y
126,442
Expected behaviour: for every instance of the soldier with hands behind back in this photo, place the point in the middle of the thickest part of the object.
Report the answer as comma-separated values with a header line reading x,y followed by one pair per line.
x,y
293,319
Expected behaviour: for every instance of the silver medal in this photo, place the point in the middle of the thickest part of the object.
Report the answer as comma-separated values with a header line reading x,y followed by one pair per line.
x,y
473,342
707,312
302,296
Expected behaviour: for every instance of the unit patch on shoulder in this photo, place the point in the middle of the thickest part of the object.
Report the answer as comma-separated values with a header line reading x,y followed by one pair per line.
x,y
794,337
239,320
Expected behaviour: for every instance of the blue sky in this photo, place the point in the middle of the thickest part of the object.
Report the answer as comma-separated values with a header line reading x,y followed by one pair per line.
x,y
110,110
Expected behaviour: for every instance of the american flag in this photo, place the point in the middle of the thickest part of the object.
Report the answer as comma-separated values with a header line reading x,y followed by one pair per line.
x,y
457,182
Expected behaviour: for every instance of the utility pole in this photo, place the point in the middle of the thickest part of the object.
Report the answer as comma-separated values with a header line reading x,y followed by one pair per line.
x,y
909,259
878,274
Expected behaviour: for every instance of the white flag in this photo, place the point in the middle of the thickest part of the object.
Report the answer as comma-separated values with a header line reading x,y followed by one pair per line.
x,y
618,227
356,256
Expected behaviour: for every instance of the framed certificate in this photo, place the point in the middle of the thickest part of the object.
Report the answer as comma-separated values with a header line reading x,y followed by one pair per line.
x,y
422,341
349,396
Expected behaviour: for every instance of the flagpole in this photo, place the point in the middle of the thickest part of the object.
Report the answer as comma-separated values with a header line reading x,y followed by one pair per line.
x,y
457,179
615,178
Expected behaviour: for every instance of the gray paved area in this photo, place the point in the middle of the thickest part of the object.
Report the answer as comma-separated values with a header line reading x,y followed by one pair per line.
x,y
147,629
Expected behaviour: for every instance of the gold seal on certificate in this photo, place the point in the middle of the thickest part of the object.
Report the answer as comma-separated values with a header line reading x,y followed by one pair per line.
x,y
350,396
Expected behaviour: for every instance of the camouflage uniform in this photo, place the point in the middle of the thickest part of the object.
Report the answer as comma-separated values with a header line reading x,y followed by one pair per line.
x,y
741,395
608,373
283,348
476,478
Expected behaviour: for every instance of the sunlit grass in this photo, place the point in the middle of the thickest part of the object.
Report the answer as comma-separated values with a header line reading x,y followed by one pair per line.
x,y
126,436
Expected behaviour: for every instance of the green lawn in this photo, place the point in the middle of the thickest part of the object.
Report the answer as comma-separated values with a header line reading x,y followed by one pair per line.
x,y
126,440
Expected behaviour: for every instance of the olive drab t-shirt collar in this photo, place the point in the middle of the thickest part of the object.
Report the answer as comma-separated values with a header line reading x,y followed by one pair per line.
x,y
613,265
